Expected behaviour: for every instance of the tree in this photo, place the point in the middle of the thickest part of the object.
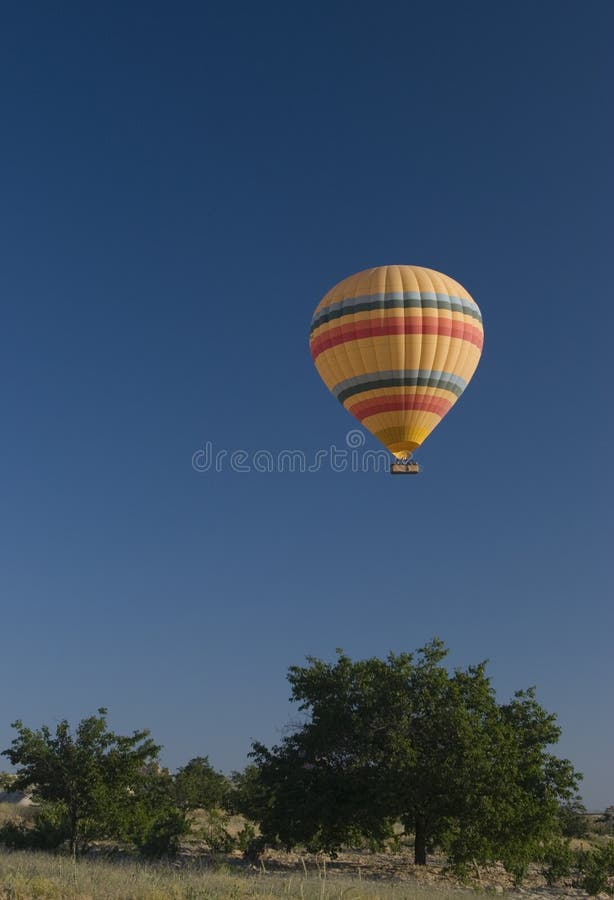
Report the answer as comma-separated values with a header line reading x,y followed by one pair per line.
x,y
403,739
91,775
515,787
152,819
247,796
199,786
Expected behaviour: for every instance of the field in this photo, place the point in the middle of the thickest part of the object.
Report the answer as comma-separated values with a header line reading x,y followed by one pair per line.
x,y
37,875
25,875
198,873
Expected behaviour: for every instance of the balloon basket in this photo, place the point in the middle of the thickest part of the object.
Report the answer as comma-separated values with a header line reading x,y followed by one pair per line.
x,y
405,467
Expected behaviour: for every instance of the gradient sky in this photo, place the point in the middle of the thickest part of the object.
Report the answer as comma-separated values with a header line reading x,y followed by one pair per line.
x,y
180,184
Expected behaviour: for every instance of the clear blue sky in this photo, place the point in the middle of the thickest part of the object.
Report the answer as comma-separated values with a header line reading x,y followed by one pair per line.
x,y
180,184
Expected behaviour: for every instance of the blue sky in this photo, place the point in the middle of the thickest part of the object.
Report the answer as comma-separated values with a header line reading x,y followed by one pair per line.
x,y
181,184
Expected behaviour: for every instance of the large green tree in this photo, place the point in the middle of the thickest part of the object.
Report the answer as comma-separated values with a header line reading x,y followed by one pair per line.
x,y
405,739
92,774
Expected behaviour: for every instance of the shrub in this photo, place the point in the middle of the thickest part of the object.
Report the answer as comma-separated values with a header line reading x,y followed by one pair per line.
x,y
558,861
216,834
162,836
594,879
14,835
597,866
517,858
517,868
50,831
246,836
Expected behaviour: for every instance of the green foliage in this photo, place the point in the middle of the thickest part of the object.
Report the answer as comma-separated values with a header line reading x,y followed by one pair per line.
x,y
162,834
395,843
512,797
517,855
151,819
558,860
597,866
48,832
572,817
199,786
215,832
247,794
403,739
246,837
89,775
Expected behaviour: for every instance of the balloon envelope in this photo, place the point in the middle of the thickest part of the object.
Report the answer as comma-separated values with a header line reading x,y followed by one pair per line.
x,y
397,346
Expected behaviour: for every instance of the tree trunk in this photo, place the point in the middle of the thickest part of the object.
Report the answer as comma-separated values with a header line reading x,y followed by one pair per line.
x,y
420,842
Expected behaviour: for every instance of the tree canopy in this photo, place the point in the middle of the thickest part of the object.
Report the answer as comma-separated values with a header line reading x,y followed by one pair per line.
x,y
199,786
403,739
92,775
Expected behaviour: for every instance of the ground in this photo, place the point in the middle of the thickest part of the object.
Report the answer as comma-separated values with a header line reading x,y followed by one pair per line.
x,y
112,874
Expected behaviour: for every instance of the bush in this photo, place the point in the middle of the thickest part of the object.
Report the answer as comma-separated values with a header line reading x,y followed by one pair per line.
x,y
14,835
597,866
246,836
558,861
50,831
517,858
594,879
162,836
517,868
216,834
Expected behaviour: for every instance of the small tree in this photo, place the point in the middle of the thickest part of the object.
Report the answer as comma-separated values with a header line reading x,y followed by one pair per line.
x,y
90,775
152,820
199,786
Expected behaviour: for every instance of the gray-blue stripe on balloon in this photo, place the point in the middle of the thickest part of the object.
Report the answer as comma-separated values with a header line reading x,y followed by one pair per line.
x,y
398,378
395,300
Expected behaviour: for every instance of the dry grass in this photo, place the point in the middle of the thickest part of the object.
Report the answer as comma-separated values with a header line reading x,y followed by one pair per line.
x,y
10,812
24,876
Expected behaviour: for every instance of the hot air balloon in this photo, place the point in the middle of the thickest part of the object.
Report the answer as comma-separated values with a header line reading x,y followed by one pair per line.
x,y
397,346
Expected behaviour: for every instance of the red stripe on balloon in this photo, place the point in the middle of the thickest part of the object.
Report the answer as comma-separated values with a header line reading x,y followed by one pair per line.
x,y
397,325
399,403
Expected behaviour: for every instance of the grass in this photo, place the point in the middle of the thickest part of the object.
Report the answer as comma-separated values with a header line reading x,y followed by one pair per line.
x,y
27,876
9,812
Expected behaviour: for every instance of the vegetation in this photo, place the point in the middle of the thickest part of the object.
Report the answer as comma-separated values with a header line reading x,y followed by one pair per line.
x,y
404,740
90,781
199,786
573,819
558,859
24,876
390,754
596,867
